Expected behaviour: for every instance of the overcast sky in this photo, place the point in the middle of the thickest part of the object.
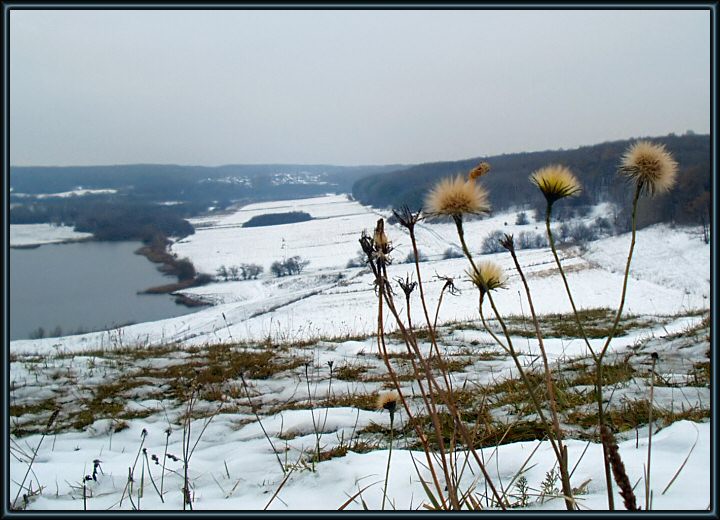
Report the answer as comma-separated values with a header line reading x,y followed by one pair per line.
x,y
347,87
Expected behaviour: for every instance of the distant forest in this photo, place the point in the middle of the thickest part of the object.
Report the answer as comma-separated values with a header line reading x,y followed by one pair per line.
x,y
216,186
157,199
595,166
273,219
108,217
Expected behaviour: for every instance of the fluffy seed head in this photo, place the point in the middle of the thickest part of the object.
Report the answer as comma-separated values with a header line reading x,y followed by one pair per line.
x,y
388,401
556,182
488,277
651,166
479,170
455,196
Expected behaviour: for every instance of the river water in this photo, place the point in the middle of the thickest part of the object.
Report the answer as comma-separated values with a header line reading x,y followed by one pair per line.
x,y
84,286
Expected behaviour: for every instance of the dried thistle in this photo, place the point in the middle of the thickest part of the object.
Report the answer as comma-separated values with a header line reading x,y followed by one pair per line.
x,y
457,196
407,218
366,244
380,238
479,170
388,401
555,182
488,277
508,242
406,285
449,284
378,248
651,166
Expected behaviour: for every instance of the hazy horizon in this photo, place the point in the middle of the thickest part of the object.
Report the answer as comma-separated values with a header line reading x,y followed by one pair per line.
x,y
342,165
371,87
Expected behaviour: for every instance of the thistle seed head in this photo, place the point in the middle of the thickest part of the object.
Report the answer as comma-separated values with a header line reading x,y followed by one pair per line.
x,y
388,401
455,196
650,166
556,182
489,276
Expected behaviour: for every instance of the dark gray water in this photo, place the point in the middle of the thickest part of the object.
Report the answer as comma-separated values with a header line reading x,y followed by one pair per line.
x,y
84,286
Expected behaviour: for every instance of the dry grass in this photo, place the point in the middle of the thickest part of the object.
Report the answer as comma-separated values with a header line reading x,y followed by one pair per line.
x,y
164,374
632,414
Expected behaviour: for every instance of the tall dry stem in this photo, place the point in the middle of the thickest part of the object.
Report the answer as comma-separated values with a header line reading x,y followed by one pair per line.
x,y
650,424
432,396
555,441
597,359
549,384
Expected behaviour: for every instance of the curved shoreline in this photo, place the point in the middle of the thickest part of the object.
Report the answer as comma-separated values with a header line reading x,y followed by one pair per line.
x,y
35,245
94,263
170,265
154,252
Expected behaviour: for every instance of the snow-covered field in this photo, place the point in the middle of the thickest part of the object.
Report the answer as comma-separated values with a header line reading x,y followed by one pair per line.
x,y
670,274
25,235
328,313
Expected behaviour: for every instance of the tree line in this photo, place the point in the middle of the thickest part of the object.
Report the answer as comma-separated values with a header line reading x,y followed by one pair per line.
x,y
240,272
205,185
595,166
273,219
106,217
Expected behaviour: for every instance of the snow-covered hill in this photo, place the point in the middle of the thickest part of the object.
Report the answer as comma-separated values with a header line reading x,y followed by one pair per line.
x,y
325,318
670,274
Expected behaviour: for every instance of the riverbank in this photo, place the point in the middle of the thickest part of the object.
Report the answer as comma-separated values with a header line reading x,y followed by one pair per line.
x,y
53,243
73,288
30,236
157,252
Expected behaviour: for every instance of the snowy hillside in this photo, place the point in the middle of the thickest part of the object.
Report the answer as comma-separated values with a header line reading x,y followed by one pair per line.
x,y
306,345
328,299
